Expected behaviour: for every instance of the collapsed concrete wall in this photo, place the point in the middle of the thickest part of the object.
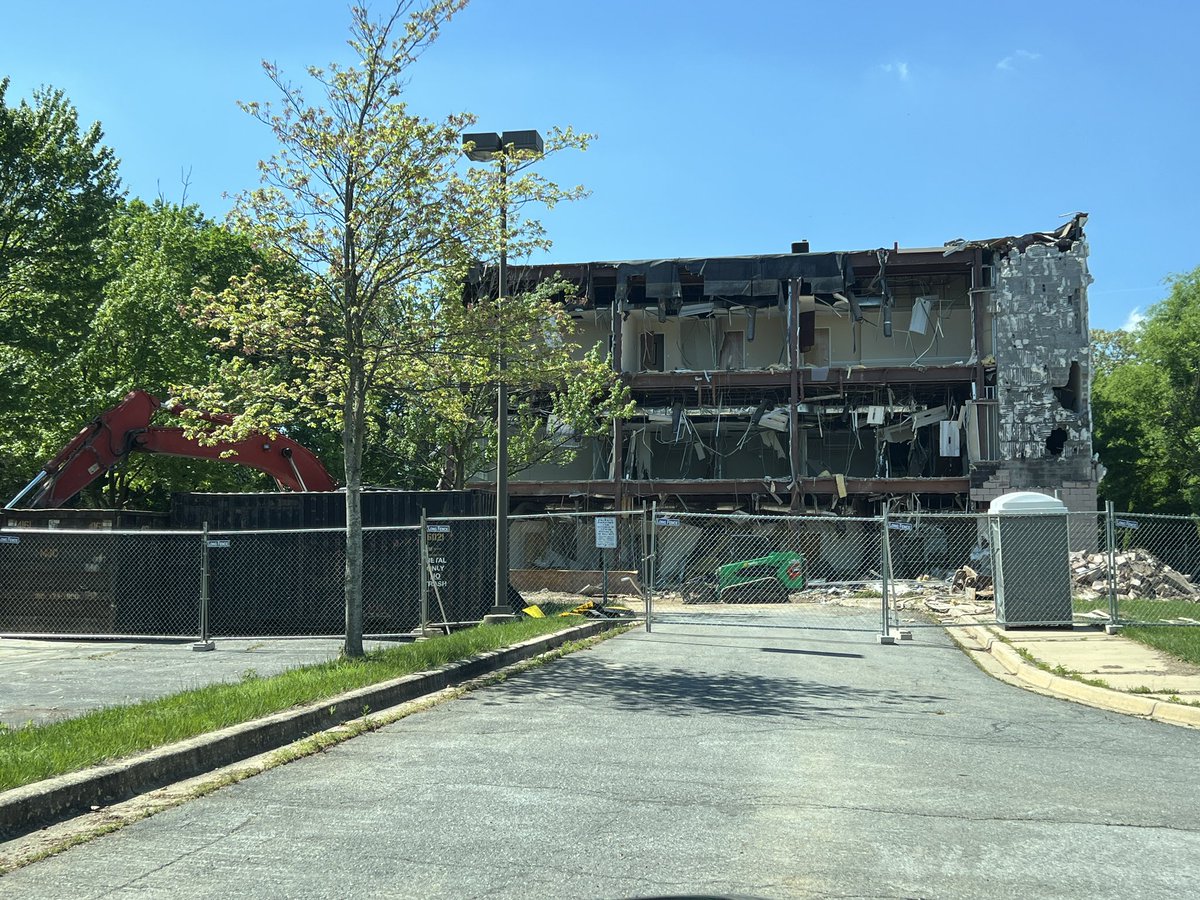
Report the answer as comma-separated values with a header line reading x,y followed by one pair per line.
x,y
1043,376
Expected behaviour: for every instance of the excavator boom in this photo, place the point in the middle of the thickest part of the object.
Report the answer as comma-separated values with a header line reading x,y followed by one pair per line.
x,y
126,428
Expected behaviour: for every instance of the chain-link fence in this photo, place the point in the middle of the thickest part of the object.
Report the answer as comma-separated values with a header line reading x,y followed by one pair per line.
x,y
99,582
941,568
802,571
246,583
1152,569
559,560
873,573
1010,569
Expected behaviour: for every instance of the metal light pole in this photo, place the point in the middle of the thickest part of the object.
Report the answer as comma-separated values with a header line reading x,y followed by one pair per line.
x,y
488,146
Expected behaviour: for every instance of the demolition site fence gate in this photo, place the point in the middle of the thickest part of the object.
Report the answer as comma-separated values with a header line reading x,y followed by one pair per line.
x,y
871,574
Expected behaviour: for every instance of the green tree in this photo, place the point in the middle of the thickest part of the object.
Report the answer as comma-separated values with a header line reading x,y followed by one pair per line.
x,y
138,334
142,334
558,394
1130,428
366,199
1146,405
58,190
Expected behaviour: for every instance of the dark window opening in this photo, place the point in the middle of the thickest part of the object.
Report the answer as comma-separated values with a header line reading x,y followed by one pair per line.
x,y
1056,442
1069,394
604,291
636,290
653,348
691,288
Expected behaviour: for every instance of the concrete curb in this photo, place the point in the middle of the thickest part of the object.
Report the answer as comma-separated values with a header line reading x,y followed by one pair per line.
x,y
35,805
1070,689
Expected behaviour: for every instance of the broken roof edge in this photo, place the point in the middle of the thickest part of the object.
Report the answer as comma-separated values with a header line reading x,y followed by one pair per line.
x,y
827,272
1067,233
1064,237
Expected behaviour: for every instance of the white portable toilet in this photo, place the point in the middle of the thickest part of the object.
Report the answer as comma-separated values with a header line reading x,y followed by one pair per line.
x,y
1031,565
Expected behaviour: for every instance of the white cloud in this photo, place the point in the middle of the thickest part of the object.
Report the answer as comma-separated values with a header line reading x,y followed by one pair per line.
x,y
1007,64
900,69
1135,318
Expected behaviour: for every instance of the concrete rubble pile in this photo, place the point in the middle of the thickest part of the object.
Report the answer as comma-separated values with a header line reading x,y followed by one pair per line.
x,y
966,593
1139,573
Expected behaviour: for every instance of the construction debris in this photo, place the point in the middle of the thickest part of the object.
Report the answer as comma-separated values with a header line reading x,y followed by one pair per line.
x,y
976,587
1140,575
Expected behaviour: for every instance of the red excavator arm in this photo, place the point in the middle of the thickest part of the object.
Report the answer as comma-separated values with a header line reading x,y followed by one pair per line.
x,y
126,427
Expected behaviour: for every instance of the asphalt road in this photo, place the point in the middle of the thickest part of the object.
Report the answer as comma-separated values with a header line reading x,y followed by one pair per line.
x,y
695,760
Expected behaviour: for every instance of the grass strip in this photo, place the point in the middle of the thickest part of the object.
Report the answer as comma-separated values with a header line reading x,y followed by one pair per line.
x,y
1150,611
1181,641
37,751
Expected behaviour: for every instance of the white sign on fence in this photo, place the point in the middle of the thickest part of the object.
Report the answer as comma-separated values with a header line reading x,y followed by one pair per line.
x,y
218,544
606,532
667,521
9,539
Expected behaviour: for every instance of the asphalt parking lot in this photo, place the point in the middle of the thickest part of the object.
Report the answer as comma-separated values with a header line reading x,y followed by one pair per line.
x,y
41,681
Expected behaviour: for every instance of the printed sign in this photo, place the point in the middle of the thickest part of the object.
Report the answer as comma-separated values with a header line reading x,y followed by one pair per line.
x,y
436,541
606,532
900,526
667,521
1127,523
9,539
218,544
437,570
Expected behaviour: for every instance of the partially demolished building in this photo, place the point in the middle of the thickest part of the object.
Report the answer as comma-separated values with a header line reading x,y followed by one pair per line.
x,y
831,381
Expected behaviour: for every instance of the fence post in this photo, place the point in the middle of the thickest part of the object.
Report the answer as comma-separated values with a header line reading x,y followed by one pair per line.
x,y
423,552
204,643
643,568
1110,533
652,563
885,631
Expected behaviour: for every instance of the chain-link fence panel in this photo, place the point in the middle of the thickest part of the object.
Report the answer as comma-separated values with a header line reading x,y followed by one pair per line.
x,y
941,569
947,569
460,570
796,571
391,580
99,582
280,583
1091,597
559,560
273,583
1155,564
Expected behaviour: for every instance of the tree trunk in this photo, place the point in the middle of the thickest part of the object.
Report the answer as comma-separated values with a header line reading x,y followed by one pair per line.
x,y
353,431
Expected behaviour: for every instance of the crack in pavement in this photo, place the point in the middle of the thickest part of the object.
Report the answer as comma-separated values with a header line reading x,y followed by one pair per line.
x,y
182,856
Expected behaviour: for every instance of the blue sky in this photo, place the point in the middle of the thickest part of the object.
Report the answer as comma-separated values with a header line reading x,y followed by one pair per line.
x,y
724,127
